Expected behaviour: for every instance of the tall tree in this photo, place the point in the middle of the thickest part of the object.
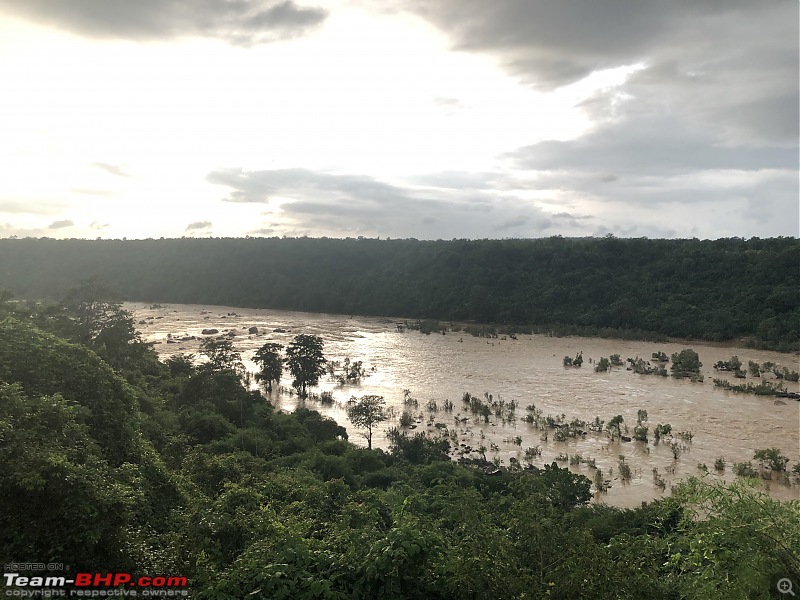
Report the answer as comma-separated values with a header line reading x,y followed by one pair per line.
x,y
271,362
366,413
306,361
613,426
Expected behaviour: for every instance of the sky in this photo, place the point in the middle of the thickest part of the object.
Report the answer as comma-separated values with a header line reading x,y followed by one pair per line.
x,y
431,119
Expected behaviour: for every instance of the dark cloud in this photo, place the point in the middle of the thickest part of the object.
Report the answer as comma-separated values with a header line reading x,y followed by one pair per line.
x,y
241,22
61,224
732,65
198,225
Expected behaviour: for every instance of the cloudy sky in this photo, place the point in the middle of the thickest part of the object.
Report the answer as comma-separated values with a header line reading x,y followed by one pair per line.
x,y
399,118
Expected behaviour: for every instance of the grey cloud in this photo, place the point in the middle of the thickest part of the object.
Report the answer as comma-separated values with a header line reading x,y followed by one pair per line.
x,y
570,217
650,145
333,204
458,180
61,224
263,231
241,22
107,167
554,43
733,65
261,186
511,223
560,42
34,208
198,225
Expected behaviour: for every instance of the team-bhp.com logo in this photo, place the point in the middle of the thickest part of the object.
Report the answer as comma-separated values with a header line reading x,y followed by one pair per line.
x,y
94,585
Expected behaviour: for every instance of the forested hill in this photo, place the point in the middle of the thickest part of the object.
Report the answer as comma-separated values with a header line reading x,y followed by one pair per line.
x,y
717,290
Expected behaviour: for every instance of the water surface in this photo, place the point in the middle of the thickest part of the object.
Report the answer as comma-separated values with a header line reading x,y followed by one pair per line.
x,y
528,371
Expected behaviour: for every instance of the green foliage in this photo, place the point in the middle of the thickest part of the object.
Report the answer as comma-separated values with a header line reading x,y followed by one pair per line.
x,y
221,356
763,388
744,469
627,288
734,364
602,365
269,358
640,433
44,364
306,361
771,458
366,412
406,419
183,470
686,363
733,541
417,448
613,426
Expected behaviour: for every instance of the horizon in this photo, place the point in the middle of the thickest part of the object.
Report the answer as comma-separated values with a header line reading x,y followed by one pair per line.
x,y
606,236
448,120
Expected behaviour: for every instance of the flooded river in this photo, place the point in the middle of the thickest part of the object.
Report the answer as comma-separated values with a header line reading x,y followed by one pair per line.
x,y
527,371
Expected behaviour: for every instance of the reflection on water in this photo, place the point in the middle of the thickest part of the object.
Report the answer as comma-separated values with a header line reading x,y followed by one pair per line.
x,y
528,371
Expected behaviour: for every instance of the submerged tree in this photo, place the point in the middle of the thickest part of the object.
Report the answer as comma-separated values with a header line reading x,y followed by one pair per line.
x,y
613,426
686,363
269,358
306,361
366,413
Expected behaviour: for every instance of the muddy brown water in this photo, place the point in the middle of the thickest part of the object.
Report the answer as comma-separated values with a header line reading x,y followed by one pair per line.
x,y
528,370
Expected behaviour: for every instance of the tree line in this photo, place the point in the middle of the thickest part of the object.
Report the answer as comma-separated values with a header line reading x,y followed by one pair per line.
x,y
727,289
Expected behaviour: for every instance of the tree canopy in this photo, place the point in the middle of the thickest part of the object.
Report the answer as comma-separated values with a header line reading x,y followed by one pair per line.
x,y
366,413
726,289
170,467
306,361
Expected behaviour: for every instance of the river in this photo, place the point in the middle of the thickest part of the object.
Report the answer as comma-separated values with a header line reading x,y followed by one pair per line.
x,y
527,371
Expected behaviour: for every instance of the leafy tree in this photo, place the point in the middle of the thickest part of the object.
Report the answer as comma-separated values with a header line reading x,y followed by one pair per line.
x,y
417,448
772,459
640,433
306,361
733,541
221,356
602,365
366,413
271,362
613,426
686,363
91,315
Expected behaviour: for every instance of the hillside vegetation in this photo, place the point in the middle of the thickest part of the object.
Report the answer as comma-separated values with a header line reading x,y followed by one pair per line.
x,y
728,289
116,461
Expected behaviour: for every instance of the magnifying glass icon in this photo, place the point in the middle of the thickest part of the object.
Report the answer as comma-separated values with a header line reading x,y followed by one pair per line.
x,y
785,586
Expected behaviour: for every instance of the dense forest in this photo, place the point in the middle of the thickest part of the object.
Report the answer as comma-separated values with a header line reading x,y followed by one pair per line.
x,y
727,289
115,461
